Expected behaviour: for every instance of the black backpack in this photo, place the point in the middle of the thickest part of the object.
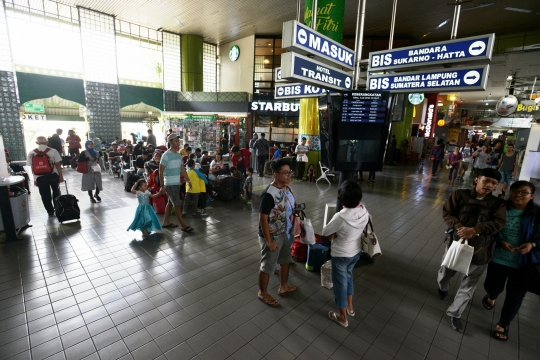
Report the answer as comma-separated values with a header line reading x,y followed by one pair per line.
x,y
55,143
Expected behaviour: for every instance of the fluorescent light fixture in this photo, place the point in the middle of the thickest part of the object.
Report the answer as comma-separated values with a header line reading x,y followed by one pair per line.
x,y
487,104
178,21
478,7
442,24
517,9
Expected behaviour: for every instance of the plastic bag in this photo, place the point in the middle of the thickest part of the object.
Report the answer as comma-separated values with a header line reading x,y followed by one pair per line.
x,y
458,256
326,275
307,236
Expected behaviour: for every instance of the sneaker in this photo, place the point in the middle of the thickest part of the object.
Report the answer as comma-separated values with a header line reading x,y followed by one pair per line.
x,y
455,323
97,198
442,294
93,200
203,213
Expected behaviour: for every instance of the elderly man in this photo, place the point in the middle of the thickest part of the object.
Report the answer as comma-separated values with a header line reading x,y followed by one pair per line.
x,y
170,168
46,176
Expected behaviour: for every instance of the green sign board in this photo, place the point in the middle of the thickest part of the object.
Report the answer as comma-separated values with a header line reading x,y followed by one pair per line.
x,y
330,16
34,108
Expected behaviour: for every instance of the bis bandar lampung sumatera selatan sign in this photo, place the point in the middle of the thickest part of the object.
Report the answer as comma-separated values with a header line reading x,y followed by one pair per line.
x,y
462,79
478,48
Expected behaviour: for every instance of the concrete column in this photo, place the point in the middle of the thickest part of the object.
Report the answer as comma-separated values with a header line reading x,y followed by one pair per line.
x,y
192,63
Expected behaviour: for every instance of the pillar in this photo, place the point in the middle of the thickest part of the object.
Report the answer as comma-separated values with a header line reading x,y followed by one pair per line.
x,y
10,122
172,73
330,15
192,63
98,42
402,129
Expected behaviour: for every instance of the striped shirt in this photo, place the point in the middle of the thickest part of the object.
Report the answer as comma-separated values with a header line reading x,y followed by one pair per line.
x,y
173,163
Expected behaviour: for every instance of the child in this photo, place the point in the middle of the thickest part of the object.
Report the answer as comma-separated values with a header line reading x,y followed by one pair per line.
x,y
238,180
146,219
311,173
192,195
202,196
248,185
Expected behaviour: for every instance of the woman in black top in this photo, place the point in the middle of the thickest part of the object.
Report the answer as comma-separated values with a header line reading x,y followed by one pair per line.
x,y
126,156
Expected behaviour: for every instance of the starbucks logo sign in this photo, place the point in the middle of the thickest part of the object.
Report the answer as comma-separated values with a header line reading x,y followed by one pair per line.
x,y
234,53
416,99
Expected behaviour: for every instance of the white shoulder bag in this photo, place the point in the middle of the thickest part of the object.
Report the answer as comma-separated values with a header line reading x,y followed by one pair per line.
x,y
458,256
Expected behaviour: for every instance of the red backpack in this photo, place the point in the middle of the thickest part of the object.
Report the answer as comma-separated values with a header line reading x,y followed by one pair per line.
x,y
41,164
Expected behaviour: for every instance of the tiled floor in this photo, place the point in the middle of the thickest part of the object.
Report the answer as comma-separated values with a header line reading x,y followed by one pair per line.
x,y
88,290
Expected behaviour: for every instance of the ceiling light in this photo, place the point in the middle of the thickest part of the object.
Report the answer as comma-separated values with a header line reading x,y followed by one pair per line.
x,y
481,5
178,21
266,61
487,104
517,9
442,24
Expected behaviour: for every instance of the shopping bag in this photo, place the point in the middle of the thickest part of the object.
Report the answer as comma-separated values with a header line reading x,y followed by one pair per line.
x,y
370,242
82,167
458,256
96,168
307,235
326,275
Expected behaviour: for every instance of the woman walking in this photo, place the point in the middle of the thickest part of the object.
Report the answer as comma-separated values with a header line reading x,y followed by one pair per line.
x,y
92,178
518,247
454,160
344,231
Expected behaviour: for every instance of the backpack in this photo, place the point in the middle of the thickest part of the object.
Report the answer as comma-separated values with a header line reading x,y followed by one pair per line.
x,y
40,163
55,143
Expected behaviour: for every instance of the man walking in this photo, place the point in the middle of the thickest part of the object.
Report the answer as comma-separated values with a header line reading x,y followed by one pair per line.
x,y
466,153
55,142
273,237
151,139
508,166
262,147
474,215
47,173
170,168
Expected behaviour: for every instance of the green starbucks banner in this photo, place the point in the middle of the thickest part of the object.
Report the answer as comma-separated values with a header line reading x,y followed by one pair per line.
x,y
330,16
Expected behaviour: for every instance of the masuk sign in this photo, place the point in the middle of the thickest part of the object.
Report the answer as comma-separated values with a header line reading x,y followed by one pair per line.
x,y
301,39
462,50
299,68
462,79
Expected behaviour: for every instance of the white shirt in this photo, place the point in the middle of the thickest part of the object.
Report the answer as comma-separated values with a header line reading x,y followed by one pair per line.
x,y
348,224
466,152
303,149
52,154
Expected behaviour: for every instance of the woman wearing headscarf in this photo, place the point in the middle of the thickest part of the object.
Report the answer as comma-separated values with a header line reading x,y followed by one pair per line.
x,y
92,178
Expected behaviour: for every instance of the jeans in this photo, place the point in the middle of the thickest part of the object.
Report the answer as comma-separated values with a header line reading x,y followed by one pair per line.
x,y
497,276
436,164
46,183
300,168
342,278
260,163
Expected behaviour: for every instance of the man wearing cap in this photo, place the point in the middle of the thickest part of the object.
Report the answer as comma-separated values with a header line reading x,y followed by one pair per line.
x,y
253,151
47,182
262,146
170,169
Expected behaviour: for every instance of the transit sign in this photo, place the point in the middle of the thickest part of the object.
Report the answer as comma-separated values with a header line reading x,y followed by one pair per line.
x,y
295,91
277,75
462,79
299,68
452,51
302,39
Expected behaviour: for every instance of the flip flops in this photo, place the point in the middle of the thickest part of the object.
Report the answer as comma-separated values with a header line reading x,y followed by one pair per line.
x,y
351,313
171,225
333,316
187,229
499,334
270,301
290,289
485,303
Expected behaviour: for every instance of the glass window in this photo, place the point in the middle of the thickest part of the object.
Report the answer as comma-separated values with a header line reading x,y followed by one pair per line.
x,y
209,67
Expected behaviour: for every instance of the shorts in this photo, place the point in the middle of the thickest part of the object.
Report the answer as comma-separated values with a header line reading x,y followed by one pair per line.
x,y
465,165
173,191
269,259
506,177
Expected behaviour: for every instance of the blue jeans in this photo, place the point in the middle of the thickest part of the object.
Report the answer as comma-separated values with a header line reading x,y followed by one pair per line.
x,y
342,278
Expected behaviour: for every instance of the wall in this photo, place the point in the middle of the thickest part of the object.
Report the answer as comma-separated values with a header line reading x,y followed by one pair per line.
x,y
237,75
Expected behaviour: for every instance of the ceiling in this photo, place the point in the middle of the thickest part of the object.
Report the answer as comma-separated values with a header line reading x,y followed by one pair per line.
x,y
222,21
419,21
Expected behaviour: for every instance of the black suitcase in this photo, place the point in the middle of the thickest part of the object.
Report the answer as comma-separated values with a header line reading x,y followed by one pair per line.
x,y
131,179
66,161
224,187
73,161
66,207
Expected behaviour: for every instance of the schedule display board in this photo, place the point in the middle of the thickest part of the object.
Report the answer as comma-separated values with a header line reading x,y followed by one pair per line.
x,y
364,107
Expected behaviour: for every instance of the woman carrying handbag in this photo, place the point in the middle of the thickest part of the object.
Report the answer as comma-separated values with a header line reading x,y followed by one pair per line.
x,y
91,179
344,231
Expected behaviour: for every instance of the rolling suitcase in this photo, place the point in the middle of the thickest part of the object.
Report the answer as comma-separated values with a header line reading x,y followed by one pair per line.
x,y
66,161
66,207
317,255
224,187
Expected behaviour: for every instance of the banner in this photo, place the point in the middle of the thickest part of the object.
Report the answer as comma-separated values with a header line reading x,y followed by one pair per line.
x,y
329,17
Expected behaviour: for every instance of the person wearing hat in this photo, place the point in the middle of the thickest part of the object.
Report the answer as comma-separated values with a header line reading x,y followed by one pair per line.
x,y
253,151
170,169
47,182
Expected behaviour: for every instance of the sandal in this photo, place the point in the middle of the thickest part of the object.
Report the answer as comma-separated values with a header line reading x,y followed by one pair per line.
x,y
351,313
290,289
501,335
333,316
270,301
187,229
171,225
485,303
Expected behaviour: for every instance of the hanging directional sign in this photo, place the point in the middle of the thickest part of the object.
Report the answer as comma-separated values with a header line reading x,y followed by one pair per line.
x,y
277,76
452,51
299,68
302,39
294,91
462,79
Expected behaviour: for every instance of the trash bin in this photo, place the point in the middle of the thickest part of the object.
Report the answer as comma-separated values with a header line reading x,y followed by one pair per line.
x,y
20,208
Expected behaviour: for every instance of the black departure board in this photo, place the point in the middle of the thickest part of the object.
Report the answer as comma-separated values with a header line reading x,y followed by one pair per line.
x,y
364,107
